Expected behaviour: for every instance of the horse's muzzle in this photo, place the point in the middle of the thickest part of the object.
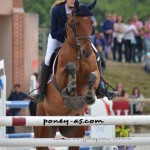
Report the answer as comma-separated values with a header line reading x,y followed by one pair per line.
x,y
85,53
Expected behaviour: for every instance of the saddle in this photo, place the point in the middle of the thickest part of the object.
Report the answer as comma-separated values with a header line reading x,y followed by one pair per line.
x,y
53,60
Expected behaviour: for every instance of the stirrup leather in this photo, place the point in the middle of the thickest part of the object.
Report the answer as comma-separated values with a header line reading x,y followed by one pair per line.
x,y
36,98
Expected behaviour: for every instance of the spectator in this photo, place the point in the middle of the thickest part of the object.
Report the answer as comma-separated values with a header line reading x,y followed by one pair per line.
x,y
122,94
99,43
114,17
138,106
139,46
129,40
103,41
119,29
147,44
95,25
100,37
15,95
94,21
107,28
120,102
147,35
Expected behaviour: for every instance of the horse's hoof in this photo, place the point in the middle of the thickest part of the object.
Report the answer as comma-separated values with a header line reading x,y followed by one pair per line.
x,y
91,79
89,100
71,69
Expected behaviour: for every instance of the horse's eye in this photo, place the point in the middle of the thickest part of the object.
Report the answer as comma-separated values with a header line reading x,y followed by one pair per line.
x,y
92,21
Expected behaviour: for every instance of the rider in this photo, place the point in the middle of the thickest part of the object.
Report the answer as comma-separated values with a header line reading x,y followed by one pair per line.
x,y
61,9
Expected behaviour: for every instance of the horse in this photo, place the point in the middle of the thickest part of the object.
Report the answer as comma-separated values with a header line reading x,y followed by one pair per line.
x,y
75,79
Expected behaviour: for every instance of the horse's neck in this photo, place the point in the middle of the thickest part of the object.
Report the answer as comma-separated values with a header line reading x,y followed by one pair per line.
x,y
70,47
71,42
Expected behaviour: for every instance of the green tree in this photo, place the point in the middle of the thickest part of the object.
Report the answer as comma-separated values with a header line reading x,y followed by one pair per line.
x,y
126,8
41,7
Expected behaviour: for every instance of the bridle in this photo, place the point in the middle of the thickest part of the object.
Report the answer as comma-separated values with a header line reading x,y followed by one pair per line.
x,y
72,28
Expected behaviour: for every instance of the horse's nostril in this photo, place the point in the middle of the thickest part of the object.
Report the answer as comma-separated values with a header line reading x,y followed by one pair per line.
x,y
85,54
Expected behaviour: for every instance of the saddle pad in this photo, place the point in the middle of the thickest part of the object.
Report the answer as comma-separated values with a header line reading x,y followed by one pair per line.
x,y
53,62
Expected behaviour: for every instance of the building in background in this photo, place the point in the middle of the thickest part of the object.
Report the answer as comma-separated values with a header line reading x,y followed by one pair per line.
x,y
18,43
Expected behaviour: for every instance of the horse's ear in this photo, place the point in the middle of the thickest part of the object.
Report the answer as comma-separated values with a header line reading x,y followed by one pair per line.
x,y
76,5
92,5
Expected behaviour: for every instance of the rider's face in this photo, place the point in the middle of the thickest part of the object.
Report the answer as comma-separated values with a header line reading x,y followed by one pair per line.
x,y
70,3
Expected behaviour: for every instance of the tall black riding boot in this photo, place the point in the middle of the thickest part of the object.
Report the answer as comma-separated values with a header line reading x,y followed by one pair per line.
x,y
102,89
45,73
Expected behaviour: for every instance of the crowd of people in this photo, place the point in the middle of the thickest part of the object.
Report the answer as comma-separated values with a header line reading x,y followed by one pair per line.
x,y
129,40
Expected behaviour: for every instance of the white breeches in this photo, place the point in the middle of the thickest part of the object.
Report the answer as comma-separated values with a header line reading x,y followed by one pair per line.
x,y
52,44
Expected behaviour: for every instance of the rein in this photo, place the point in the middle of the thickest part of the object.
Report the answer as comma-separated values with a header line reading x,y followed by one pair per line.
x,y
72,28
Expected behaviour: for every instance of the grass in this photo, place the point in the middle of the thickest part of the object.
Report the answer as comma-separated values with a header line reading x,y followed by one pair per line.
x,y
131,75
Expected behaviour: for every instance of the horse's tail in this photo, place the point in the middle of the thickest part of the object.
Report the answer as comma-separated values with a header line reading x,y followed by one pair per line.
x,y
32,108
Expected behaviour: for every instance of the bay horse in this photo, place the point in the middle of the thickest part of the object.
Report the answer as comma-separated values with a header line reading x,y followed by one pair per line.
x,y
76,77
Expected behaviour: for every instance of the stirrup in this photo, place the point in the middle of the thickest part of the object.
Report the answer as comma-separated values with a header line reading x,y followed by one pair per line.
x,y
109,93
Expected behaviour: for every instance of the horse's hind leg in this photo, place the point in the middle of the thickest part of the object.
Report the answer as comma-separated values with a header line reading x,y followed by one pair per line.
x,y
90,99
43,132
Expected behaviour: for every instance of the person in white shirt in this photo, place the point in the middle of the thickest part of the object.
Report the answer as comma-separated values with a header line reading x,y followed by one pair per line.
x,y
129,40
118,34
137,51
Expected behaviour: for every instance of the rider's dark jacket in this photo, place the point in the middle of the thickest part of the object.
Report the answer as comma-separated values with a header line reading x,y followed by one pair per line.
x,y
58,21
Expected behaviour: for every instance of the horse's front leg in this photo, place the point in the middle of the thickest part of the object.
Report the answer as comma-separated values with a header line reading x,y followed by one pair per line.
x,y
89,98
72,87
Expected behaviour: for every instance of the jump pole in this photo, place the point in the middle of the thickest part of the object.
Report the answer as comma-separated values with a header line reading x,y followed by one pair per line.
x,y
17,104
3,106
59,142
31,135
73,121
